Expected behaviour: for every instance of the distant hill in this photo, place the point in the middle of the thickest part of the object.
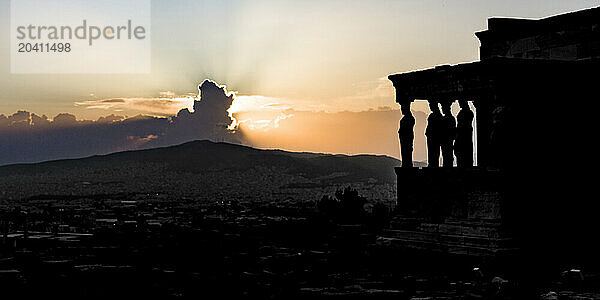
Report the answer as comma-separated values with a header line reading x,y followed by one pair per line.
x,y
204,170
204,155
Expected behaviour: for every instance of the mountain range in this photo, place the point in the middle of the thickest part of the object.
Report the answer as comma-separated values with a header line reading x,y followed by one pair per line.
x,y
214,167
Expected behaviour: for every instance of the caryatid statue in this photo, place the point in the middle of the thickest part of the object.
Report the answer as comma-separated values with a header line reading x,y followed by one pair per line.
x,y
448,134
463,145
407,135
434,134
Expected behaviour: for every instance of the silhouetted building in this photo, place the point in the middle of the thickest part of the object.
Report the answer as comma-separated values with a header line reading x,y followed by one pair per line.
x,y
535,93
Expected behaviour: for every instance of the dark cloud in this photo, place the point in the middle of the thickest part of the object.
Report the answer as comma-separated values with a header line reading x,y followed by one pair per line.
x,y
110,119
64,119
39,139
209,120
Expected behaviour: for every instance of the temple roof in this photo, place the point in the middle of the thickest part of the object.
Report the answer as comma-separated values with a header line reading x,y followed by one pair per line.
x,y
493,76
514,28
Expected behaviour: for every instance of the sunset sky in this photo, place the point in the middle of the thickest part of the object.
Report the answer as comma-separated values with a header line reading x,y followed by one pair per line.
x,y
326,56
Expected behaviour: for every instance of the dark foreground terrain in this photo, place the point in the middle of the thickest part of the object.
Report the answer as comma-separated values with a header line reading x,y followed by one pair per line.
x,y
214,220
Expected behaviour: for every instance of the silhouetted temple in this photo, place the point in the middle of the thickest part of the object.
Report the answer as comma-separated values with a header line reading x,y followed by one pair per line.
x,y
532,188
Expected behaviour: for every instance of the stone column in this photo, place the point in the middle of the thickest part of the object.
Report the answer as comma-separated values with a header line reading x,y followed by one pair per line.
x,y
448,134
407,135
484,116
463,145
433,134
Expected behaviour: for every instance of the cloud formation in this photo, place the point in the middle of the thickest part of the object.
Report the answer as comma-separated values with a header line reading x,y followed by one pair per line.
x,y
28,137
210,118
166,105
